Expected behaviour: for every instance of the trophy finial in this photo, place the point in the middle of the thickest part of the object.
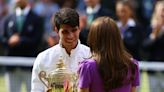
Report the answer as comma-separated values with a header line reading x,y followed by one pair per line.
x,y
60,63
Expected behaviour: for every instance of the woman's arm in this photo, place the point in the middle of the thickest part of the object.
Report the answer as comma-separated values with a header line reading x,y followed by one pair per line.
x,y
83,90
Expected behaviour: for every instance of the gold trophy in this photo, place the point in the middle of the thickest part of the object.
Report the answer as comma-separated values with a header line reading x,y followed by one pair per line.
x,y
59,80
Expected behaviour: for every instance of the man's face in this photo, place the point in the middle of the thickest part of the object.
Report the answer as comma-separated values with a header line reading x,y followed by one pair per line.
x,y
92,3
21,3
123,11
69,36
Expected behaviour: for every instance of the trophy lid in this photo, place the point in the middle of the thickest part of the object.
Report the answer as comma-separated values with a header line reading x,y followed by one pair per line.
x,y
60,64
61,73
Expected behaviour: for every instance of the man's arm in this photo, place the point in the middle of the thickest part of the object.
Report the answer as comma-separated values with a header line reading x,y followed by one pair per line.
x,y
36,84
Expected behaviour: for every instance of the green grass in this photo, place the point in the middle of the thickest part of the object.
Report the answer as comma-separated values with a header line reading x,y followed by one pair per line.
x,y
144,87
3,87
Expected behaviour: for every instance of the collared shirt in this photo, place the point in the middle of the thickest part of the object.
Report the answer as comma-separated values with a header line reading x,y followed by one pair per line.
x,y
46,61
91,13
94,10
130,23
23,12
21,15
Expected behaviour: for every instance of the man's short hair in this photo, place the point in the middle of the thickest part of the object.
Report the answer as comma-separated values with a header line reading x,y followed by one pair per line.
x,y
66,16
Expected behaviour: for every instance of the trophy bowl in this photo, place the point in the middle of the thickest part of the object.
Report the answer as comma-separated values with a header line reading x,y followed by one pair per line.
x,y
59,80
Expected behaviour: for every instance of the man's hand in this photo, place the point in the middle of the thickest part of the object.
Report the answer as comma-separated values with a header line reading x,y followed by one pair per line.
x,y
14,39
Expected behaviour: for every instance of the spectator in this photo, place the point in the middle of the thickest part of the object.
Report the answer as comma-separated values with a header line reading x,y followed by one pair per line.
x,y
45,9
23,33
94,9
130,29
111,68
145,10
153,44
69,48
3,15
81,5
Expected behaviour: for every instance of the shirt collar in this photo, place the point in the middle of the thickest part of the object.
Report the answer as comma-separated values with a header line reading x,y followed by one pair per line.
x,y
24,12
130,23
73,50
94,10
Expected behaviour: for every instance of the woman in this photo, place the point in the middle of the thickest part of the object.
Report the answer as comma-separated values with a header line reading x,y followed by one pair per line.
x,y
153,45
130,29
153,42
111,68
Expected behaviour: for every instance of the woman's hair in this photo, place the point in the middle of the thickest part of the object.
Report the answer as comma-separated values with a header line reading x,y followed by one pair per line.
x,y
155,19
129,4
113,61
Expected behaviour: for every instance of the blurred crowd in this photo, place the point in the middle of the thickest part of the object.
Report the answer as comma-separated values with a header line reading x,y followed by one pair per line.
x,y
141,24
138,22
26,26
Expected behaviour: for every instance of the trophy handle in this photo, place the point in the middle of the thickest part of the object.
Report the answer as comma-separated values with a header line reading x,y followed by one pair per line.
x,y
42,77
75,78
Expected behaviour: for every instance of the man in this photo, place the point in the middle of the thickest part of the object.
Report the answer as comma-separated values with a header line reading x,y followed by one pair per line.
x,y
23,33
93,10
69,48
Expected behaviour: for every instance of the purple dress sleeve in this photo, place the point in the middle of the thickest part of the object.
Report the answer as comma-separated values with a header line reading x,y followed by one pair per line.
x,y
84,75
136,81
